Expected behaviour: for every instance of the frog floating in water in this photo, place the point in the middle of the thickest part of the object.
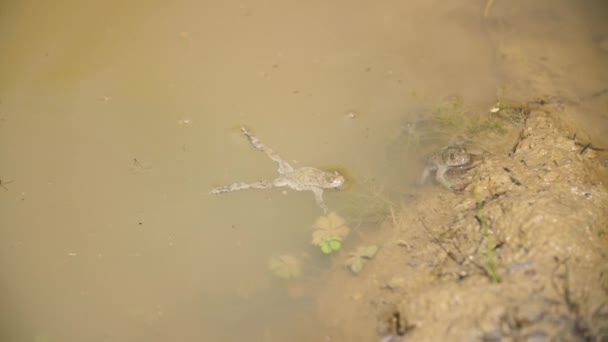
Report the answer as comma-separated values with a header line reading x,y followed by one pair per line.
x,y
453,156
301,179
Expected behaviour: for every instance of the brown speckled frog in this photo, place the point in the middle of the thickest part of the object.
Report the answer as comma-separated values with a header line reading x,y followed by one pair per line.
x,y
450,157
301,179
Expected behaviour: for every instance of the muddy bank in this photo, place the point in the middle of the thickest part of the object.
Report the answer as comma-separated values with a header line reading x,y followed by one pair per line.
x,y
520,254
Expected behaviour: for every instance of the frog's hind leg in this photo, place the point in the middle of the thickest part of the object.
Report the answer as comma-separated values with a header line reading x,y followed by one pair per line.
x,y
319,199
284,166
442,178
240,186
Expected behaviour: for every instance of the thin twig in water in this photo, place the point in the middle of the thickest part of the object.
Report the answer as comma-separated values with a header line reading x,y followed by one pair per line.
x,y
486,10
376,195
586,146
393,215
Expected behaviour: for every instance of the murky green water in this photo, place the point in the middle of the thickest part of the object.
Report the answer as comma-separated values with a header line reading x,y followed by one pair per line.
x,y
117,118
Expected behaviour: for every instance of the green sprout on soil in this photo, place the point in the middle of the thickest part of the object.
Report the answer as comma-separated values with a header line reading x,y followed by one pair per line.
x,y
490,255
328,232
285,266
357,259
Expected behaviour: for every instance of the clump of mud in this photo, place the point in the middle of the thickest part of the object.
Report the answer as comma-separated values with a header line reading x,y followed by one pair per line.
x,y
519,255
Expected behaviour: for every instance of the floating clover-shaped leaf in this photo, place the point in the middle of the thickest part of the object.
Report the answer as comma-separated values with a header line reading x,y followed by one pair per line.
x,y
330,244
357,260
329,230
285,266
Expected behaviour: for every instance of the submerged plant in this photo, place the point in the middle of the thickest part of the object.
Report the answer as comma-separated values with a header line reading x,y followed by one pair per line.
x,y
285,266
357,259
368,205
450,113
487,125
329,231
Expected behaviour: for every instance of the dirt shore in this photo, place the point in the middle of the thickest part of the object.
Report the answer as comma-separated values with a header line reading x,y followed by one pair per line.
x,y
520,254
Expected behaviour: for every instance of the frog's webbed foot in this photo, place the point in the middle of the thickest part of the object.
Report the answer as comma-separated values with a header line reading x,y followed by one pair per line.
x,y
319,199
442,179
457,187
284,166
240,186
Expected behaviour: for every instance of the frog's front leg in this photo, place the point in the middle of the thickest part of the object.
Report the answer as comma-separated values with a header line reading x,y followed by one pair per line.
x,y
425,175
240,186
429,168
319,199
441,178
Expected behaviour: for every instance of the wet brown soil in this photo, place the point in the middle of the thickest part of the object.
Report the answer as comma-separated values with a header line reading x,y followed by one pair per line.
x,y
520,254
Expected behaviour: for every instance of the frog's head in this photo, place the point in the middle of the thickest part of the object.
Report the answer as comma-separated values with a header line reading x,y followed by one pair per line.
x,y
456,156
335,179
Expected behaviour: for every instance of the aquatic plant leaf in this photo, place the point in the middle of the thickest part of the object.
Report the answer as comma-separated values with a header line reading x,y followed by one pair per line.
x,y
331,220
285,266
367,251
358,258
357,265
328,227
330,244
335,244
325,247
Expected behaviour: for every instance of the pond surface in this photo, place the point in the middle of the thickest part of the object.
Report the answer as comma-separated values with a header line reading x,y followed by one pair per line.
x,y
117,118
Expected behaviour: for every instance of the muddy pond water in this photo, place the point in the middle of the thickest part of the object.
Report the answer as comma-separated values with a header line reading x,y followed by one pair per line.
x,y
117,118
